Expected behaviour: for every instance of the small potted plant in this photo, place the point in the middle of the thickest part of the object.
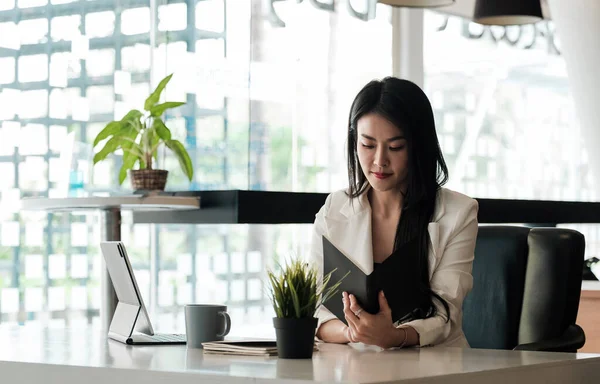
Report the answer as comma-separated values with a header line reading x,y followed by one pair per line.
x,y
296,296
139,135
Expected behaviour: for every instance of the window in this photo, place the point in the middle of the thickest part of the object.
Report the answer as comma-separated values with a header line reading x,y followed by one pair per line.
x,y
502,103
33,68
172,17
503,96
266,109
99,24
100,62
65,27
135,21
33,31
7,70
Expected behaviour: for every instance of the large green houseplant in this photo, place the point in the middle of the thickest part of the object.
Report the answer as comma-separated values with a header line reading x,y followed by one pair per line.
x,y
296,295
139,135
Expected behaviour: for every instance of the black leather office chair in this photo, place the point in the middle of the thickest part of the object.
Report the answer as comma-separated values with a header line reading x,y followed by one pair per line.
x,y
526,288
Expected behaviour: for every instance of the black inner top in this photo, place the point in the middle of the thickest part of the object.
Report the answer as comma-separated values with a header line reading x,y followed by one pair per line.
x,y
399,278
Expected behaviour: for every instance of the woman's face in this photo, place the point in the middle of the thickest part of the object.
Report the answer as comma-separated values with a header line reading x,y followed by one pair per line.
x,y
382,152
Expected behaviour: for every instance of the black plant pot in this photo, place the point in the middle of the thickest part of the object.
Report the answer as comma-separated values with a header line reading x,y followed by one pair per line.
x,y
295,337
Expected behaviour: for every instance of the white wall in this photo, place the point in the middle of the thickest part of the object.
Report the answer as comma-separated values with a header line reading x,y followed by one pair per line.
x,y
578,30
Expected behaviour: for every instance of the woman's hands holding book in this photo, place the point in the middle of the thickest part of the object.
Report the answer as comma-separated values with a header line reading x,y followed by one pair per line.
x,y
366,328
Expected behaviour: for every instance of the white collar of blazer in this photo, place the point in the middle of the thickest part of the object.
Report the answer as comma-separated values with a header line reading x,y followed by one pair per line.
x,y
356,221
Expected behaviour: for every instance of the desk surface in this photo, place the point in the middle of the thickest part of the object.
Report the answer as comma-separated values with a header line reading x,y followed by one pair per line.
x,y
590,285
29,354
132,202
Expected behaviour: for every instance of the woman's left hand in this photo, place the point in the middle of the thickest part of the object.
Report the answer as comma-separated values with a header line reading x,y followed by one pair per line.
x,y
370,329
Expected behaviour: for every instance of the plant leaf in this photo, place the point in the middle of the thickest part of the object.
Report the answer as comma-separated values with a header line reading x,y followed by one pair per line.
x,y
111,128
295,298
111,145
159,109
146,140
129,135
117,126
276,295
125,139
329,292
182,156
155,96
161,129
154,142
124,168
134,114
142,163
129,160
296,291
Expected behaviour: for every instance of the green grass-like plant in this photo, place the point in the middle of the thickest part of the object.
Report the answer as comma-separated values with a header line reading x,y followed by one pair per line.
x,y
294,291
140,134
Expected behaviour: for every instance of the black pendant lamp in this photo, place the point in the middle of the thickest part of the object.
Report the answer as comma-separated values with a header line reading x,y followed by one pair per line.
x,y
507,12
417,3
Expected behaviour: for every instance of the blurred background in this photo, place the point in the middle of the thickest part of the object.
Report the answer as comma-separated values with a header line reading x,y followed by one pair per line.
x,y
268,87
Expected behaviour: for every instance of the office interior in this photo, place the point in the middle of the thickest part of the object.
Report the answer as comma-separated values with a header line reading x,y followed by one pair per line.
x,y
268,86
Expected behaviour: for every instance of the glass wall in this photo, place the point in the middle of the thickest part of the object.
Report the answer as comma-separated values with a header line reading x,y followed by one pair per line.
x,y
267,87
504,112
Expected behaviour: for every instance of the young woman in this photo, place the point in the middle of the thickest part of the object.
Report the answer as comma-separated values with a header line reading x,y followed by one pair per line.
x,y
397,220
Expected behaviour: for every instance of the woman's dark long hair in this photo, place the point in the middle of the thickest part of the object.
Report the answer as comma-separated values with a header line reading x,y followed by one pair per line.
x,y
406,106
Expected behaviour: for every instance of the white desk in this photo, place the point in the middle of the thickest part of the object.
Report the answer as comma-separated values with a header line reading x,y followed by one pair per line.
x,y
111,207
33,355
590,285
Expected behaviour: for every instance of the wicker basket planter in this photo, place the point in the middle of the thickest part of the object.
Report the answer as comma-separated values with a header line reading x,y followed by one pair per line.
x,y
148,179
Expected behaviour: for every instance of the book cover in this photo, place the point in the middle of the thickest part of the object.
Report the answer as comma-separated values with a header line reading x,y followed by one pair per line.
x,y
239,353
358,283
242,347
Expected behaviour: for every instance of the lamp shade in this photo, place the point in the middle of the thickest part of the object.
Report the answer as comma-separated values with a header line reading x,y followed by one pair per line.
x,y
507,12
417,3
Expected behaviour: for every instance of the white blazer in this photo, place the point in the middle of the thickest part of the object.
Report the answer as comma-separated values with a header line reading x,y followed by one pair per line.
x,y
453,232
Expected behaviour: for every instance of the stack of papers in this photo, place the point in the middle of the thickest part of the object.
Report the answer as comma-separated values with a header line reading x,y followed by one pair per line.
x,y
245,347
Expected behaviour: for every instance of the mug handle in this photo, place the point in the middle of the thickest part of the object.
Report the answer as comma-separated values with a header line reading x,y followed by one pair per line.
x,y
227,324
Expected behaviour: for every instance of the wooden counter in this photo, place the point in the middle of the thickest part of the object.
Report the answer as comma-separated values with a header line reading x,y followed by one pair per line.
x,y
588,316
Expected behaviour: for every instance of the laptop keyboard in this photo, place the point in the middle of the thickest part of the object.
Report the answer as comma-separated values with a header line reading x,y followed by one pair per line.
x,y
159,338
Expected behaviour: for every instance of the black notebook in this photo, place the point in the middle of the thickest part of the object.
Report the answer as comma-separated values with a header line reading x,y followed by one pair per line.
x,y
358,283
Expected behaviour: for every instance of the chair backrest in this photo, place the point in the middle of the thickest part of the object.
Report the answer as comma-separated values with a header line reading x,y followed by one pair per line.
x,y
552,283
492,310
526,285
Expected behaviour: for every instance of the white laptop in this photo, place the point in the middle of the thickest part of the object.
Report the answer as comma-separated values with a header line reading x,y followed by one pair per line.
x,y
130,323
